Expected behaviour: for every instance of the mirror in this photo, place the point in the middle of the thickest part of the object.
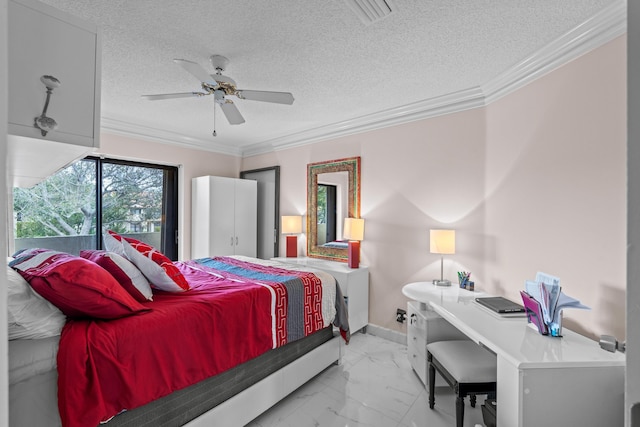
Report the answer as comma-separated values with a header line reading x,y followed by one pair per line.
x,y
333,194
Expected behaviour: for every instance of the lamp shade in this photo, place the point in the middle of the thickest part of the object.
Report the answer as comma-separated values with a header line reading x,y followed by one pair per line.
x,y
442,241
353,229
292,224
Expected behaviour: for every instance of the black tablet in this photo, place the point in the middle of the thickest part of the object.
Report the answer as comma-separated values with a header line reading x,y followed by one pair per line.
x,y
500,305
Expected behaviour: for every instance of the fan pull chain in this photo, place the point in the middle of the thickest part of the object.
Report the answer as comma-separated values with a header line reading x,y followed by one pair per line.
x,y
214,120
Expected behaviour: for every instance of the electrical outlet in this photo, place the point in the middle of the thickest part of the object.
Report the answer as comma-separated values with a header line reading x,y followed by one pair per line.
x,y
401,315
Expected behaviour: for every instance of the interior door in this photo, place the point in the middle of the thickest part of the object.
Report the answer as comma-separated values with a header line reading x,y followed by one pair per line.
x,y
268,209
221,216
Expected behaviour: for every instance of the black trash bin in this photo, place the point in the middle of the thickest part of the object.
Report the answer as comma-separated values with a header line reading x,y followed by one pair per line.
x,y
489,412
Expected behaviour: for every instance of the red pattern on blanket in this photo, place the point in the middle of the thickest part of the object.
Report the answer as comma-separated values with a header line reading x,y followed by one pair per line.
x,y
312,291
105,367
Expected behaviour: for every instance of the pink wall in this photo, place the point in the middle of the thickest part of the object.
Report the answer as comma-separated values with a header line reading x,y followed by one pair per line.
x,y
535,181
556,187
417,176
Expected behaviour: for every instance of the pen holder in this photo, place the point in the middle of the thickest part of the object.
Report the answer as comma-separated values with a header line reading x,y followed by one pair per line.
x,y
465,283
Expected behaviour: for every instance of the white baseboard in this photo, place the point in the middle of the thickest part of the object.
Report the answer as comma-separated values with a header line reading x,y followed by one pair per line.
x,y
388,334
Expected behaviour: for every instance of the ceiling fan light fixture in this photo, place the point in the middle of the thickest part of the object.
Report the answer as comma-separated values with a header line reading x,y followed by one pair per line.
x,y
219,62
370,11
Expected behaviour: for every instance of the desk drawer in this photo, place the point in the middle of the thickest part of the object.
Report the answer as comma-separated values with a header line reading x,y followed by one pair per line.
x,y
417,344
419,365
417,355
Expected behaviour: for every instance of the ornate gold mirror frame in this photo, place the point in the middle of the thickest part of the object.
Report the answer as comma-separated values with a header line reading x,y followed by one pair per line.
x,y
352,167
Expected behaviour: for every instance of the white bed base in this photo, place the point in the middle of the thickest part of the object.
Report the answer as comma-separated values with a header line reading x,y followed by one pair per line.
x,y
250,403
239,410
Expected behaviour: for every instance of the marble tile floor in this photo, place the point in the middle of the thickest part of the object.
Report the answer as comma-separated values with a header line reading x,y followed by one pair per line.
x,y
373,387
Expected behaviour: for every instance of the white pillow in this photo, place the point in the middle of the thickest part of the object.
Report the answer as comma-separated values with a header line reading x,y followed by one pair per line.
x,y
113,245
30,316
156,275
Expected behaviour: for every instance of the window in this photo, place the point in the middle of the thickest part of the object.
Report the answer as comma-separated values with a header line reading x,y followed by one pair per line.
x,y
70,210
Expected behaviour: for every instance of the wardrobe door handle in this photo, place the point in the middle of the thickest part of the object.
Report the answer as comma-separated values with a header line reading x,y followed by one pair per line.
x,y
231,240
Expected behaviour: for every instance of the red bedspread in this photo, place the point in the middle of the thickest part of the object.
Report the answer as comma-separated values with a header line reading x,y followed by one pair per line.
x,y
105,367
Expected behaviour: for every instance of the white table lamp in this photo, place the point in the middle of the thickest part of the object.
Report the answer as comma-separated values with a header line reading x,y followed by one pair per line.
x,y
442,242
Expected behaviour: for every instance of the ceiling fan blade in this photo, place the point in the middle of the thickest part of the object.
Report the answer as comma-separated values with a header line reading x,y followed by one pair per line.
x,y
173,95
265,96
197,71
231,113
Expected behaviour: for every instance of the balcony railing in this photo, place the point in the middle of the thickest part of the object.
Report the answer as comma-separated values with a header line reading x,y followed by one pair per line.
x,y
74,244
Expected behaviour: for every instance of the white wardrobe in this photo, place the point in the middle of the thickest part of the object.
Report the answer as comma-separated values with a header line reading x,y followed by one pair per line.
x,y
224,217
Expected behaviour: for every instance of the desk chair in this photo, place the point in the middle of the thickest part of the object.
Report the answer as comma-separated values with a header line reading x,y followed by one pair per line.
x,y
468,368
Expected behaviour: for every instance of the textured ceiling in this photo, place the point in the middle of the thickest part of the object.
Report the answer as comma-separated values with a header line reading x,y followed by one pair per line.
x,y
337,68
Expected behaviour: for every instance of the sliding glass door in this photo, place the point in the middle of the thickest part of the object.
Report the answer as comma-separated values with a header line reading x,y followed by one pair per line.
x,y
70,210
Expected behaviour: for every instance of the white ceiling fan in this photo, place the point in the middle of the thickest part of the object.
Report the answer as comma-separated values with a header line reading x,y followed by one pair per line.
x,y
221,86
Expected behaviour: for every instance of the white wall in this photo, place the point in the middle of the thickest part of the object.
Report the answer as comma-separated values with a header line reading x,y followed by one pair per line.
x,y
632,389
4,359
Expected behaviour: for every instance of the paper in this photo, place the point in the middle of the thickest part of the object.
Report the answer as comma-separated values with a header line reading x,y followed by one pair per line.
x,y
547,292
547,279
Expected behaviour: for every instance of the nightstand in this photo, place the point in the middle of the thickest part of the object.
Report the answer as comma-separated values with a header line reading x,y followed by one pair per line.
x,y
354,283
423,327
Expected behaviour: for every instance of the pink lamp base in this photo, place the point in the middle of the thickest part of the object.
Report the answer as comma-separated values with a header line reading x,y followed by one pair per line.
x,y
354,254
292,246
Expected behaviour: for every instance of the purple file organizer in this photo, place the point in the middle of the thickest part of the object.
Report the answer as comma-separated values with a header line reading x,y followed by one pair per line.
x,y
534,313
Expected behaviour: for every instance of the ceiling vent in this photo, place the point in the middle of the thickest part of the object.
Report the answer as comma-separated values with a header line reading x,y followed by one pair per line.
x,y
370,11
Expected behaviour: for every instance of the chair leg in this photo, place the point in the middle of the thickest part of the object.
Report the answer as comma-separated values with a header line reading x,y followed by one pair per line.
x,y
472,400
432,381
459,411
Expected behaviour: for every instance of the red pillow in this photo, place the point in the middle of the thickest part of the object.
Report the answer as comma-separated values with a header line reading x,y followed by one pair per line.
x,y
159,269
78,287
123,271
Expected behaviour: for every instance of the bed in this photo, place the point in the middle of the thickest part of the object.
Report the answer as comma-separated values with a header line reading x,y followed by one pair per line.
x,y
337,244
223,332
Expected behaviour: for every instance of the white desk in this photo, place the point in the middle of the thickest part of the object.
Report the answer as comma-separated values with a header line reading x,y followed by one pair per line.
x,y
542,381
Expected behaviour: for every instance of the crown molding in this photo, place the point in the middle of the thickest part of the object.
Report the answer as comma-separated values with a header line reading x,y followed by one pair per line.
x,y
609,23
603,27
445,104
122,128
